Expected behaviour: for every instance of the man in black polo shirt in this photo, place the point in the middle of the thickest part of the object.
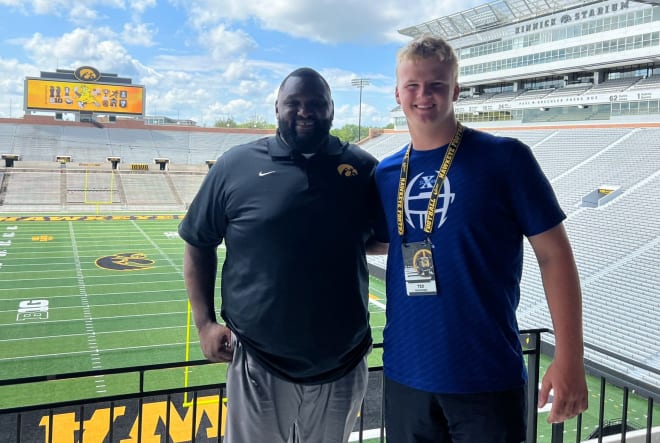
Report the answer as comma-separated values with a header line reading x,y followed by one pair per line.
x,y
295,212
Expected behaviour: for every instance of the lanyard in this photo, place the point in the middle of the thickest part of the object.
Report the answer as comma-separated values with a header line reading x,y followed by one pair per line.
x,y
442,173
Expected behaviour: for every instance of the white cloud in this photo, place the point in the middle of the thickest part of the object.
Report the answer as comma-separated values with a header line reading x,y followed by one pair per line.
x,y
81,14
47,7
12,79
255,88
76,48
349,114
327,21
224,43
140,6
232,108
138,34
13,3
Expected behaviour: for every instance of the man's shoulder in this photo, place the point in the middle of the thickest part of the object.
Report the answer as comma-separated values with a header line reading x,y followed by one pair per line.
x,y
488,138
257,144
254,146
393,159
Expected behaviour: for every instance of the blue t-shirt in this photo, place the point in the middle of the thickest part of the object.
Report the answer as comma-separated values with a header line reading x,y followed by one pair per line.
x,y
465,338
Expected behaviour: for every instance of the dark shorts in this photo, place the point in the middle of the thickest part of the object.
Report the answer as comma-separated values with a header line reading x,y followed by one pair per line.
x,y
413,416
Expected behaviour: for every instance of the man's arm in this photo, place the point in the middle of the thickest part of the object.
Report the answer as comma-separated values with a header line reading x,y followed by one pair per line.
x,y
561,283
200,267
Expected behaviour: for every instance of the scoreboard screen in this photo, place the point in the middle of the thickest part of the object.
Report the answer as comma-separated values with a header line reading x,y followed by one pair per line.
x,y
57,95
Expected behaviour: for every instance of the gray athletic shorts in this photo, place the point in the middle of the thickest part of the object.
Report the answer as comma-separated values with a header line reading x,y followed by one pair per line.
x,y
264,408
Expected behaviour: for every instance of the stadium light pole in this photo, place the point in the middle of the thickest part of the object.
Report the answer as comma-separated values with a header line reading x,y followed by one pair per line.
x,y
360,83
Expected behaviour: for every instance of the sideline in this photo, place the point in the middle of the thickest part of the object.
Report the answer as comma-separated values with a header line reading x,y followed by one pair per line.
x,y
70,218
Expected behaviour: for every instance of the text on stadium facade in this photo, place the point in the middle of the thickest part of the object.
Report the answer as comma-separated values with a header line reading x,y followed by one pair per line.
x,y
567,18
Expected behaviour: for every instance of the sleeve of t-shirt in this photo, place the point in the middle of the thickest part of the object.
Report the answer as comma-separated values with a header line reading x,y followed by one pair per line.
x,y
204,223
533,198
379,223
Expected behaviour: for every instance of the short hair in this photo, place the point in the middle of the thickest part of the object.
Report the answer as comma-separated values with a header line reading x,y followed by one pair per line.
x,y
305,73
428,46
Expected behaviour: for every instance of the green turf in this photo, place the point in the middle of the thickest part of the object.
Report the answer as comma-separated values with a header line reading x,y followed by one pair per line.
x,y
101,319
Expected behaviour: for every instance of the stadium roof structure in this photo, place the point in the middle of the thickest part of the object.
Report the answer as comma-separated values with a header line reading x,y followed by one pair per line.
x,y
492,15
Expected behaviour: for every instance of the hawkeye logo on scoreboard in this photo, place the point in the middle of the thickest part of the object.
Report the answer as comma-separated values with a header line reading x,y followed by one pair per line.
x,y
87,74
126,261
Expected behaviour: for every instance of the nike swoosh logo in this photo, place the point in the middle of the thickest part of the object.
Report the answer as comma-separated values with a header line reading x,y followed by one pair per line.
x,y
261,173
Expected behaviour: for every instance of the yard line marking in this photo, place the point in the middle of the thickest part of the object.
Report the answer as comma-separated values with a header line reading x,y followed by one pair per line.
x,y
124,349
160,251
374,301
87,314
43,337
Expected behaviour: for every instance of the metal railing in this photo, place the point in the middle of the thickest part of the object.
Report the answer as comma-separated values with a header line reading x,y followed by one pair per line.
x,y
197,414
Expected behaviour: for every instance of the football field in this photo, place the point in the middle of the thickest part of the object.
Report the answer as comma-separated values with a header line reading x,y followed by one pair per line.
x,y
92,292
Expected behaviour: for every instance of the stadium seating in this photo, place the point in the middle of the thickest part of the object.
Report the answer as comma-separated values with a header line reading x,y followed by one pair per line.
x,y
43,143
650,82
616,246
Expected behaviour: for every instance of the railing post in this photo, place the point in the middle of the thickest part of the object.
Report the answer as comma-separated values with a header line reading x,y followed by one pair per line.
x,y
557,433
532,341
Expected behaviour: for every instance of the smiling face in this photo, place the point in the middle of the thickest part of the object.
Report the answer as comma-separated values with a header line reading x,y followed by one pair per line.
x,y
426,89
304,111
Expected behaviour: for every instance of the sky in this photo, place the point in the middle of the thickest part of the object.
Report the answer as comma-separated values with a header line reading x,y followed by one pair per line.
x,y
208,60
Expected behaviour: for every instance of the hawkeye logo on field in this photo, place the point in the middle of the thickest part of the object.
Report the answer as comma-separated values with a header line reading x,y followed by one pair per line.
x,y
126,261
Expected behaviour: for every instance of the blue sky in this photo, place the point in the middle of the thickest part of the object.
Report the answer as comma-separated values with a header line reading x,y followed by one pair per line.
x,y
210,59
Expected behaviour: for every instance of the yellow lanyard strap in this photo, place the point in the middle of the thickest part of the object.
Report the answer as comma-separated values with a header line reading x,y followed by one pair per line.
x,y
442,173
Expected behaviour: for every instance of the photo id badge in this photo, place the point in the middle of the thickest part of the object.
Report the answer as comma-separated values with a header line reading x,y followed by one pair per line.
x,y
418,268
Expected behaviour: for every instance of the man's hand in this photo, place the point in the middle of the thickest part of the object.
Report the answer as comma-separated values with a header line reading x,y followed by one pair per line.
x,y
215,341
571,396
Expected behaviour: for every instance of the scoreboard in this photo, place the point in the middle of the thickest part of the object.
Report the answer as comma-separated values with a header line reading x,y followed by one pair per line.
x,y
78,95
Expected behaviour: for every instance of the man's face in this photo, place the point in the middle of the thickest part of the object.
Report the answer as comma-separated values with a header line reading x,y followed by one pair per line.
x,y
304,111
426,90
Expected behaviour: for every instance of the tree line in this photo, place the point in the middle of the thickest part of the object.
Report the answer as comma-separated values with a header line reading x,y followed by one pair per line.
x,y
348,132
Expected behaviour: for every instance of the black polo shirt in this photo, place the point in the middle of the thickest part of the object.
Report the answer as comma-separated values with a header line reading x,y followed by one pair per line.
x,y
295,279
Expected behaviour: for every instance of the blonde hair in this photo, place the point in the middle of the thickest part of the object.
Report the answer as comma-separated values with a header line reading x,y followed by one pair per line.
x,y
426,47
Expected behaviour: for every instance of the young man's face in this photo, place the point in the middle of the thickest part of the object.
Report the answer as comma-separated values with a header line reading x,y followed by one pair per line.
x,y
426,90
304,111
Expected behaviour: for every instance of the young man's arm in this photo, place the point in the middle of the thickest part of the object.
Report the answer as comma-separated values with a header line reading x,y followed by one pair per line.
x,y
200,267
561,283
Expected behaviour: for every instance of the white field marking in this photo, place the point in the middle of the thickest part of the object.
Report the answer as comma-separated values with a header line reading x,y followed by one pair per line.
x,y
49,337
374,301
160,251
115,317
104,294
366,435
14,289
100,306
66,266
87,314
105,351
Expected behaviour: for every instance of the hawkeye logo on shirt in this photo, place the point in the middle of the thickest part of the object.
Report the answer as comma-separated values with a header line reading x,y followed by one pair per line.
x,y
418,193
347,170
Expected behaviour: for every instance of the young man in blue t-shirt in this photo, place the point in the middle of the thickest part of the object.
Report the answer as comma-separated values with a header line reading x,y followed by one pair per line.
x,y
458,203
